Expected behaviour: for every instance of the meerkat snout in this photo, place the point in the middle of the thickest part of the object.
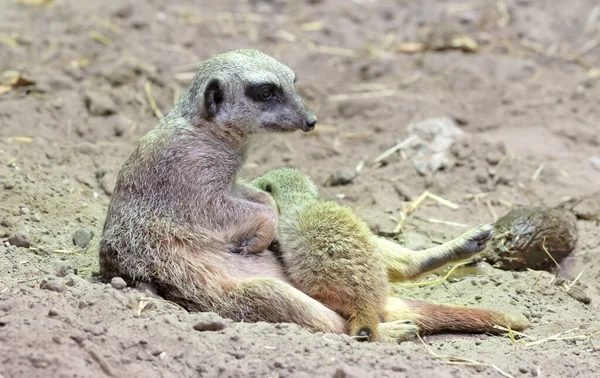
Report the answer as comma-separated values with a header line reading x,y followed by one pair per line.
x,y
310,124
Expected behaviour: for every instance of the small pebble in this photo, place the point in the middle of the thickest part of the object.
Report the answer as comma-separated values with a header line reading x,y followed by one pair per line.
x,y
36,217
342,177
63,270
19,239
99,103
580,295
523,370
118,283
210,325
82,237
53,285
24,210
52,312
9,185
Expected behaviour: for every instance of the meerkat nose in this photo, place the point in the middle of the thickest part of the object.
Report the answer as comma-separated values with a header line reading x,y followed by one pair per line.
x,y
310,124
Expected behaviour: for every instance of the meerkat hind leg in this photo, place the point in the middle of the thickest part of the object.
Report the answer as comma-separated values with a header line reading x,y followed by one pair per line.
x,y
274,301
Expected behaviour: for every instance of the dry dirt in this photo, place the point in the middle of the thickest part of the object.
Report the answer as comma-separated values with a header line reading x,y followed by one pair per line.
x,y
527,101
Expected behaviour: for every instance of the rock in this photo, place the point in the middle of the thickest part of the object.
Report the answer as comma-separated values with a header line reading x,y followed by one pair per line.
x,y
107,183
63,271
580,295
36,217
374,70
353,108
342,177
6,223
99,104
525,230
9,185
405,193
119,73
210,325
82,237
53,284
19,239
434,148
595,160
118,283
586,207
24,210
346,371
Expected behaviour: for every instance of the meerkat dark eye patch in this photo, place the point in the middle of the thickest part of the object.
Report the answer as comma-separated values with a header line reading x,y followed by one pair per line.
x,y
268,188
261,92
213,97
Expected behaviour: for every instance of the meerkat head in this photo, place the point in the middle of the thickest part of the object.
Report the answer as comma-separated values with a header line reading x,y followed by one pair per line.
x,y
246,88
287,184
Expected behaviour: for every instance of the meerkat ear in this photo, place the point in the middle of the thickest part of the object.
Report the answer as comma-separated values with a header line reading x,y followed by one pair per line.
x,y
213,97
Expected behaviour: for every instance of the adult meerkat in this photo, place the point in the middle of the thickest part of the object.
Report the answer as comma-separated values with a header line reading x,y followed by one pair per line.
x,y
329,253
179,218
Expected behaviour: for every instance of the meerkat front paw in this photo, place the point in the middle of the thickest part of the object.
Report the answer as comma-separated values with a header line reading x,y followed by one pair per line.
x,y
242,248
472,241
398,331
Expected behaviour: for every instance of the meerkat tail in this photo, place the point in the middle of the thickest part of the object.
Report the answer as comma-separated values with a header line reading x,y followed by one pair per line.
x,y
432,318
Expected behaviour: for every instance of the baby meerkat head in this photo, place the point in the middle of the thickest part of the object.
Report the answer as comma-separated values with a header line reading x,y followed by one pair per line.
x,y
248,89
286,184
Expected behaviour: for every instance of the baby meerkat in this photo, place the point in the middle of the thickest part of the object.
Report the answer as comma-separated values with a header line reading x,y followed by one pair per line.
x,y
329,253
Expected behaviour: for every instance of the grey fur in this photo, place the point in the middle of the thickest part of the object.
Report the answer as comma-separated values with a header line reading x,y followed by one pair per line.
x,y
177,210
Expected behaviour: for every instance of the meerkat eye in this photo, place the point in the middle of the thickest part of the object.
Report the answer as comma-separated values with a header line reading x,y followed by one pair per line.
x,y
266,92
268,188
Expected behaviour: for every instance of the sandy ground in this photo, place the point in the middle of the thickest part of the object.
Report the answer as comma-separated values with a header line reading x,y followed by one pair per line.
x,y
526,101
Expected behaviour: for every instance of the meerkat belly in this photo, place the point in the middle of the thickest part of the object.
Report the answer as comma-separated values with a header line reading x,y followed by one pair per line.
x,y
327,245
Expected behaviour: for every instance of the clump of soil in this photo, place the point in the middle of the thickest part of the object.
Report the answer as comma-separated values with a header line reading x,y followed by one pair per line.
x,y
532,237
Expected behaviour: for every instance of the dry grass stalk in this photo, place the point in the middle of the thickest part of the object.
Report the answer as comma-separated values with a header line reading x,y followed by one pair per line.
x,y
435,282
447,223
538,172
363,96
64,251
533,46
151,102
98,37
108,24
504,15
551,258
312,26
39,3
338,51
286,36
490,208
405,143
454,360
251,28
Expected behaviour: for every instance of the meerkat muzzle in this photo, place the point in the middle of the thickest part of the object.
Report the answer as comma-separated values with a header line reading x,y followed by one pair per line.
x,y
310,124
